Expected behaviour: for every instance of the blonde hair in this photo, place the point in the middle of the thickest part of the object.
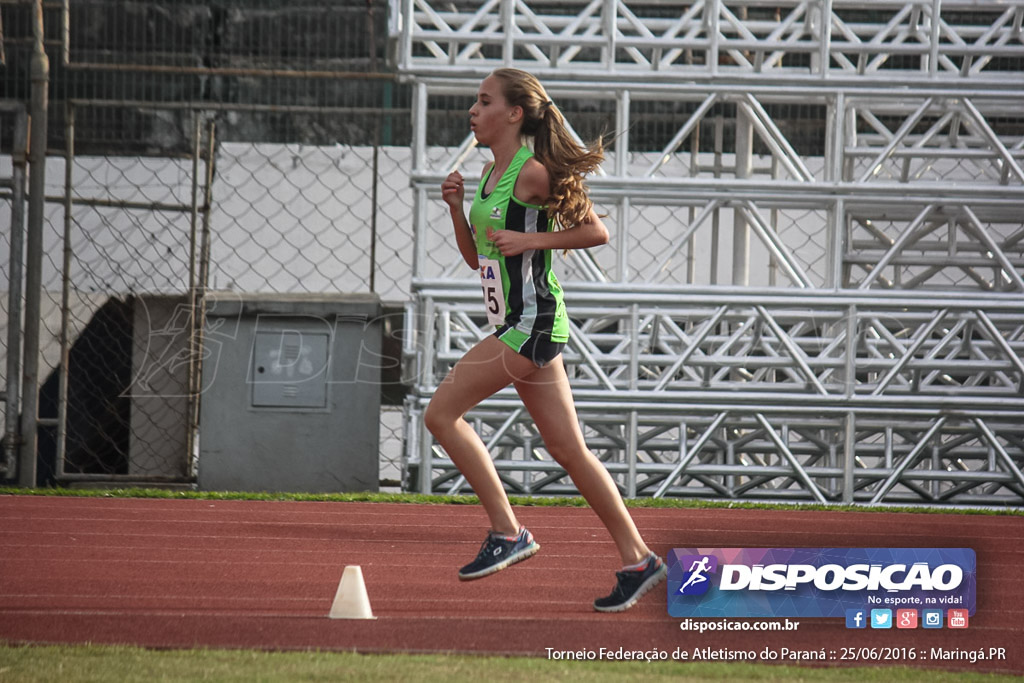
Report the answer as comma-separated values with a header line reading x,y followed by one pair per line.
x,y
565,160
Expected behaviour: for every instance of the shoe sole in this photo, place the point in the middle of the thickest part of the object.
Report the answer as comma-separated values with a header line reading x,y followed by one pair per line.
x,y
645,587
527,552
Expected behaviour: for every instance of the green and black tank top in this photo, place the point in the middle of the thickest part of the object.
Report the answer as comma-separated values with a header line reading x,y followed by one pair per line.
x,y
521,292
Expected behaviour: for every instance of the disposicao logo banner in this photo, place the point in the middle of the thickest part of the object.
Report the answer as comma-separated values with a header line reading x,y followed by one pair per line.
x,y
817,582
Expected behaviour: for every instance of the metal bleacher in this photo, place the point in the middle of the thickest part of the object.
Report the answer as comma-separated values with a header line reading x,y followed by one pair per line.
x,y
826,311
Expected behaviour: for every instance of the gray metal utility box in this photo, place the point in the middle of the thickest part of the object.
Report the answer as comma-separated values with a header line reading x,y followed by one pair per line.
x,y
290,393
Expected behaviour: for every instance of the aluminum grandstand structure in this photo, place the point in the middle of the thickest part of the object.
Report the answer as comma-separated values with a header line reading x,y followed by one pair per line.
x,y
833,315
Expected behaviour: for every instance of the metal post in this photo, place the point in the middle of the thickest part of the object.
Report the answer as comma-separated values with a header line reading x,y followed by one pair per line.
x,y
825,38
712,16
40,69
849,459
64,370
609,14
632,437
191,381
376,161
850,380
405,38
428,377
715,218
744,169
65,30
14,294
934,38
204,250
419,162
773,218
835,239
621,170
202,283
691,256
508,20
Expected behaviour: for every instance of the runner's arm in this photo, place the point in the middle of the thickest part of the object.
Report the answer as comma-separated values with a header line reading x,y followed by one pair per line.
x,y
453,193
590,233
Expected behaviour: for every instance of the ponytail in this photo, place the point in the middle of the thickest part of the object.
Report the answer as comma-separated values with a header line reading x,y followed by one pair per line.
x,y
566,161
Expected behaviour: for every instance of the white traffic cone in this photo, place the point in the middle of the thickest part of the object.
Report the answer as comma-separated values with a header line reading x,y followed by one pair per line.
x,y
351,600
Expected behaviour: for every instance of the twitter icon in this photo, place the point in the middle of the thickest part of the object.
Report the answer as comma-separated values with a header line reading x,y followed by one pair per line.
x,y
881,618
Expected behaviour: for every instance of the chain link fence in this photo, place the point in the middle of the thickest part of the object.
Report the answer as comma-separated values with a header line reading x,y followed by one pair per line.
x,y
283,219
246,147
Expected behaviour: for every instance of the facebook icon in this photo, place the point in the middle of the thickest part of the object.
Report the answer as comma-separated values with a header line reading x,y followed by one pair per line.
x,y
856,618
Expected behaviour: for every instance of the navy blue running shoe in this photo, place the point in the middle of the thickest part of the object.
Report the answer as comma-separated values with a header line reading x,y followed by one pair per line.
x,y
632,584
498,552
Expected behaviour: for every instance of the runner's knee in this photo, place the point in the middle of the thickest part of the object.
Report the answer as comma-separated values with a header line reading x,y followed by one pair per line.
x,y
568,453
435,420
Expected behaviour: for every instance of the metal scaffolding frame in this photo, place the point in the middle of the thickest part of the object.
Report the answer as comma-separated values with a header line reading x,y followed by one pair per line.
x,y
891,373
660,40
730,393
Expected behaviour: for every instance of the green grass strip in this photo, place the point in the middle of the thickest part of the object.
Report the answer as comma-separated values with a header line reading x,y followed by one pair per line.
x,y
118,664
534,501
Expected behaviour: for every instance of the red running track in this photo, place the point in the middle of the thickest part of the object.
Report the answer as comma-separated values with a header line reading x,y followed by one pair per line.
x,y
233,574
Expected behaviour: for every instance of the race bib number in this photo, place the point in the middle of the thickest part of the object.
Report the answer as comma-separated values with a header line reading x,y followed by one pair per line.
x,y
494,295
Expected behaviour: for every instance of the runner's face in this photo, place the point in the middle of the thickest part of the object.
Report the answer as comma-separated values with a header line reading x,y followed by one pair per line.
x,y
490,115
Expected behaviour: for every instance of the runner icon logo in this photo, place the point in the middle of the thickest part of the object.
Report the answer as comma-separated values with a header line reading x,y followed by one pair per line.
x,y
696,581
